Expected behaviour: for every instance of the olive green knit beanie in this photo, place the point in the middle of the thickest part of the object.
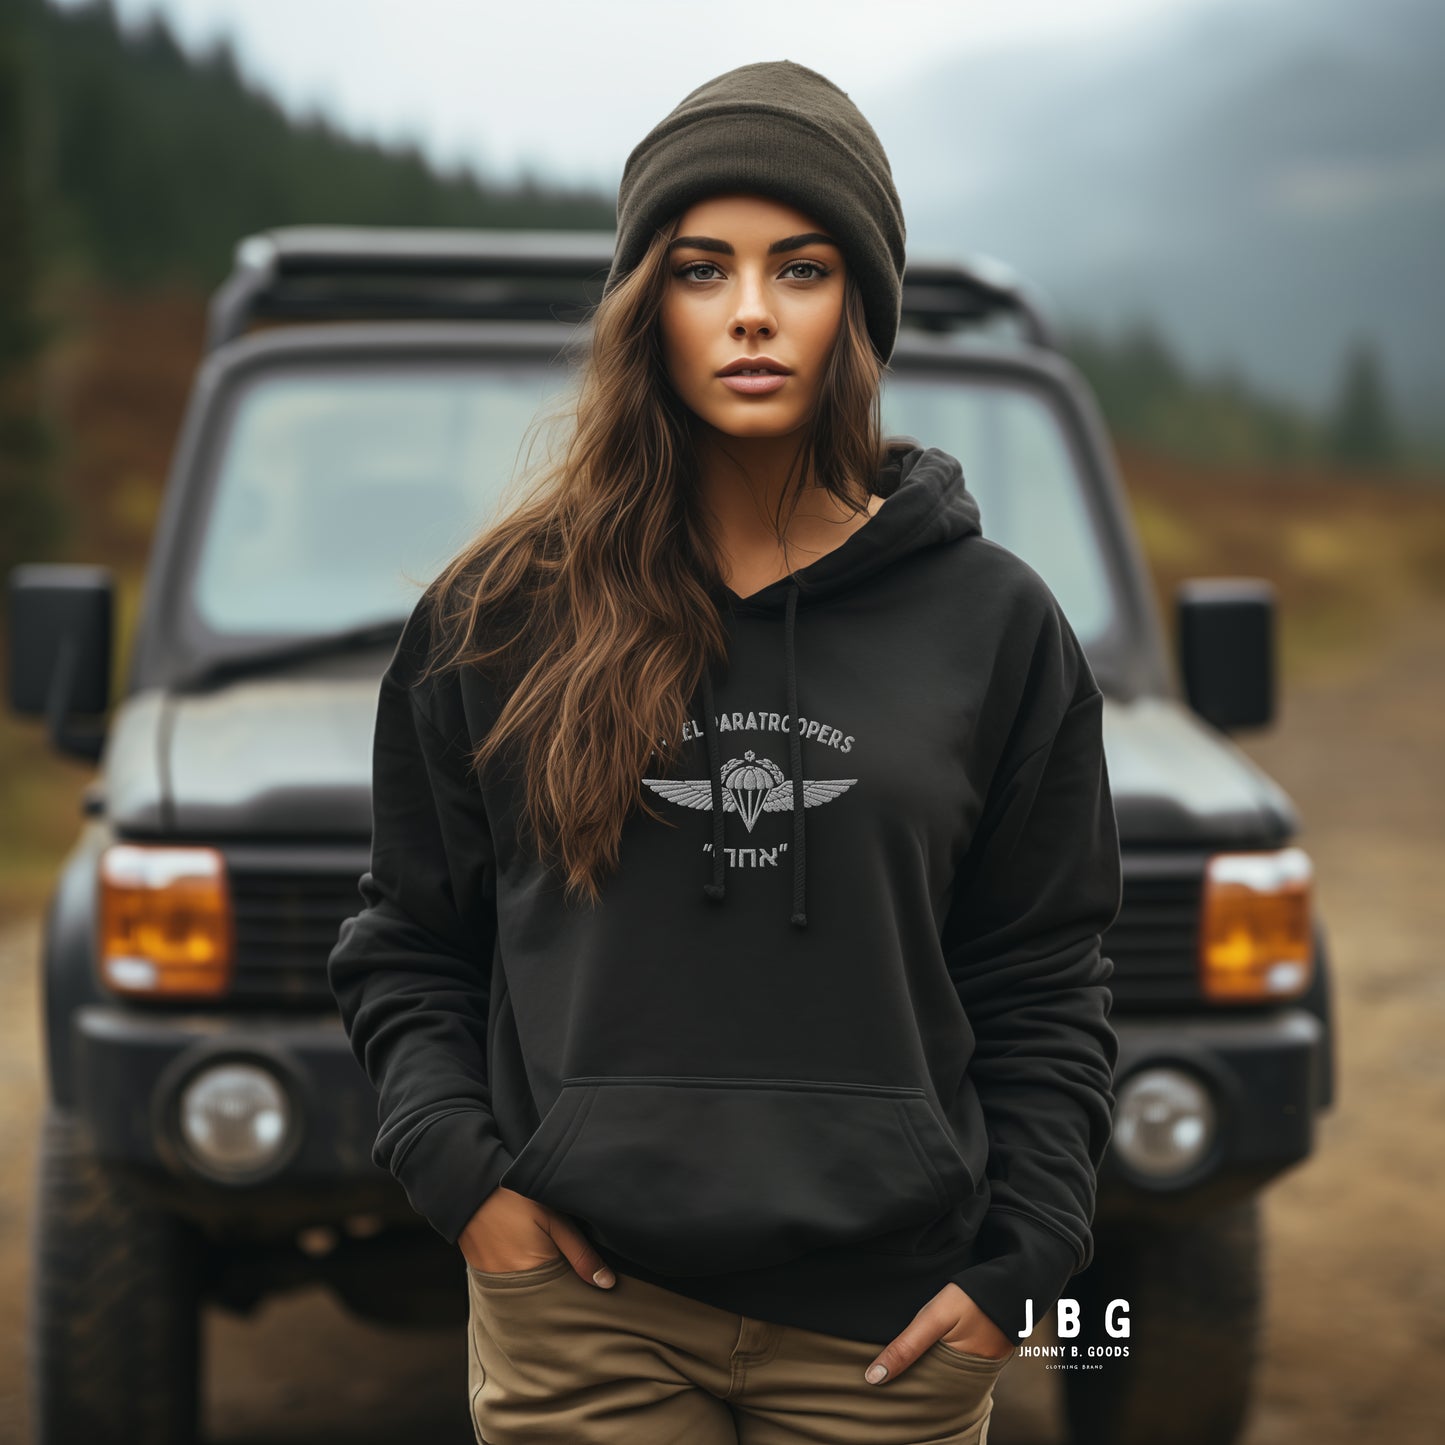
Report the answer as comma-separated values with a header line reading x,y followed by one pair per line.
x,y
773,128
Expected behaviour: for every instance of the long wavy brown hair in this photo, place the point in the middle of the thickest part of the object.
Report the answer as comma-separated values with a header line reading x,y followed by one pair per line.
x,y
597,599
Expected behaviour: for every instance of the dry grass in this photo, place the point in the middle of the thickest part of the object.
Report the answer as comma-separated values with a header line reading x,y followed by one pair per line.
x,y
1348,554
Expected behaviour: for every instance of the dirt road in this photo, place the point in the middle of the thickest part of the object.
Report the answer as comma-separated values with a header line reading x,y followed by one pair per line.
x,y
1356,1309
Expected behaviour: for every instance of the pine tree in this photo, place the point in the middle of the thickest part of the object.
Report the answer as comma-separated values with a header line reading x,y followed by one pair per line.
x,y
1362,427
32,517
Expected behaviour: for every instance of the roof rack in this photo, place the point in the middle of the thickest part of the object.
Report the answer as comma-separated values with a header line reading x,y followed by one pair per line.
x,y
334,273
942,296
330,273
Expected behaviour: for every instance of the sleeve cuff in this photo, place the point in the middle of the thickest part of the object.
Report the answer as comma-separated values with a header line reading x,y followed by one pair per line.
x,y
1021,1261
456,1162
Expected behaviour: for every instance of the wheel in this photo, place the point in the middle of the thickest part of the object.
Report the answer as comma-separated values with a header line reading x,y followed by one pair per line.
x,y
1195,1299
115,1308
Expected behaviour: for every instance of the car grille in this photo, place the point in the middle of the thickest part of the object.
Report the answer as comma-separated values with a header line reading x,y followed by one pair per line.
x,y
1155,939
289,906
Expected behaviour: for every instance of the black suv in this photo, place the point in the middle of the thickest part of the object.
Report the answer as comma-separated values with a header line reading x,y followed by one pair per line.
x,y
208,1133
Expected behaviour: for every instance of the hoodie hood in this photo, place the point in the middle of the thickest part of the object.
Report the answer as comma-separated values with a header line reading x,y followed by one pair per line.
x,y
927,503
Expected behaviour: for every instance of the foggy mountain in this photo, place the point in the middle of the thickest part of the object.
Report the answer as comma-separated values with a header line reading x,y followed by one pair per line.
x,y
1266,179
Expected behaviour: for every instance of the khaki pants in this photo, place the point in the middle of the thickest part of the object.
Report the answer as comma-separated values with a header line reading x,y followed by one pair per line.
x,y
556,1360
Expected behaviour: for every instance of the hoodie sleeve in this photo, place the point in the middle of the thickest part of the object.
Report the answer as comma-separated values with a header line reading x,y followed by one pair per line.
x,y
1039,886
411,971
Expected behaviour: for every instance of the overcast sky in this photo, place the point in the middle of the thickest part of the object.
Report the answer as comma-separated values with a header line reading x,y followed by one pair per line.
x,y
570,88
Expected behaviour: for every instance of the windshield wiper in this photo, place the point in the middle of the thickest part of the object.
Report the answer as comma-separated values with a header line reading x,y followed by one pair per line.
x,y
282,654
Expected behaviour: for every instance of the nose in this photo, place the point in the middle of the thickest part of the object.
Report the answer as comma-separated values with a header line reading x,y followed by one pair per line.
x,y
752,316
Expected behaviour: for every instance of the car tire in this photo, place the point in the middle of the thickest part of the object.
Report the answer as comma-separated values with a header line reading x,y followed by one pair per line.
x,y
1195,1297
114,1342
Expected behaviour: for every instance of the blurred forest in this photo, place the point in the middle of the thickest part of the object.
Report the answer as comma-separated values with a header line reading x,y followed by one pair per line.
x,y
128,171
130,167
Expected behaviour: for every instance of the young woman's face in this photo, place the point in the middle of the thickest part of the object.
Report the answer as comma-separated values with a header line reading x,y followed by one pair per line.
x,y
751,281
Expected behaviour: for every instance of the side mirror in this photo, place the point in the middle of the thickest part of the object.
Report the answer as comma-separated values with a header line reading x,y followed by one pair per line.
x,y
1226,649
60,646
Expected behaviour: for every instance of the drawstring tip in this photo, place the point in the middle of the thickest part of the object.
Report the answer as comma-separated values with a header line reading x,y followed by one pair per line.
x,y
715,891
799,920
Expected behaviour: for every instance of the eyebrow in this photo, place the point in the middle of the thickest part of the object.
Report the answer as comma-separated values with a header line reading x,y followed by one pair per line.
x,y
724,248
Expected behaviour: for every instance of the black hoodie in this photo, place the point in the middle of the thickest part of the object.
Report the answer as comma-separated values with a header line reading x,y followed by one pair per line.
x,y
837,1032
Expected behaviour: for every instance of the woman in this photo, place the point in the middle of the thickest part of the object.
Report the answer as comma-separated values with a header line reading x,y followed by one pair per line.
x,y
730,968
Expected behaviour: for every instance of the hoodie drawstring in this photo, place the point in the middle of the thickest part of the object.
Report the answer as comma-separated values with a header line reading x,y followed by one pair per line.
x,y
799,916
716,887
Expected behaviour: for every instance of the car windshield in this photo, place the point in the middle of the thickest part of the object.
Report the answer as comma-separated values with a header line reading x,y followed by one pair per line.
x,y
339,492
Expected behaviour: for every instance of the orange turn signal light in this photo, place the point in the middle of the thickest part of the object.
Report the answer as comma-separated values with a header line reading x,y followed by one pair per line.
x,y
166,927
1255,937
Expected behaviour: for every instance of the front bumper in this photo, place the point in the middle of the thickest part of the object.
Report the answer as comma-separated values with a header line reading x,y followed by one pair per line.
x,y
1263,1072
131,1067
1261,1069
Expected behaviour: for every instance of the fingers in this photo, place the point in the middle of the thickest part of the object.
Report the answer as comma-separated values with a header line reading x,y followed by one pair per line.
x,y
903,1350
575,1245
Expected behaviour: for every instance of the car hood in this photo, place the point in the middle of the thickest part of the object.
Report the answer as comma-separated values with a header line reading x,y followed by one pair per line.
x,y
279,757
291,757
1177,782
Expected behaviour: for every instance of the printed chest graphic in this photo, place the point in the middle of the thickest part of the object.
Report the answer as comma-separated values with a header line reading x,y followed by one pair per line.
x,y
755,783
751,786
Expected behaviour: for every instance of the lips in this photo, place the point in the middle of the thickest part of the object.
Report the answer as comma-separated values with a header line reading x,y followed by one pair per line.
x,y
757,383
761,364
754,375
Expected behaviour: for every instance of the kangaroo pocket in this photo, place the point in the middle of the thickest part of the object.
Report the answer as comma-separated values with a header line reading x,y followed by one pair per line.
x,y
694,1176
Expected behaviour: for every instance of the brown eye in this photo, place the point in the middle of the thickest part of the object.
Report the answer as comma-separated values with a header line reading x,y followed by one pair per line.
x,y
813,266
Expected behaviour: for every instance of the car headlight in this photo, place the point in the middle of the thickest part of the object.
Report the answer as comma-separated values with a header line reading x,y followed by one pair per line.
x,y
1165,1122
166,928
235,1120
1255,939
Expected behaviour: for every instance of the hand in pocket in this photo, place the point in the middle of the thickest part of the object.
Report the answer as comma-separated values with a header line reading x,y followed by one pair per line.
x,y
950,1319
510,1232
